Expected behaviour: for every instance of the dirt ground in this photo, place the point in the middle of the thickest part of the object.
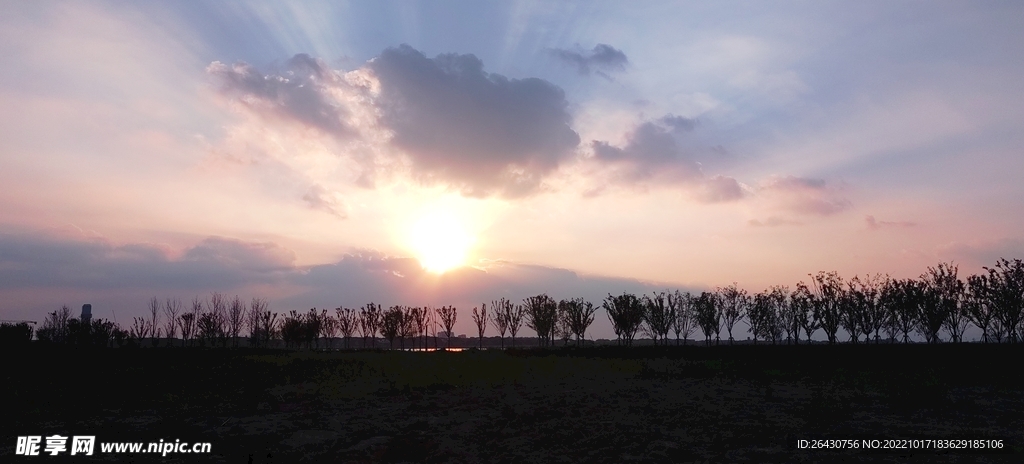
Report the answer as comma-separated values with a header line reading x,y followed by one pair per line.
x,y
513,407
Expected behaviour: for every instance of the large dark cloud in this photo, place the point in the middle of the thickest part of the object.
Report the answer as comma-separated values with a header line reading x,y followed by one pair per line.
x,y
602,58
46,272
300,92
215,263
482,132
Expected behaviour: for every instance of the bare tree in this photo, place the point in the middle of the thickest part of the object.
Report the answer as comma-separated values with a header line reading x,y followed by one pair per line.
x,y
187,324
707,314
579,314
369,322
850,311
790,320
408,328
420,320
172,307
828,301
480,319
904,298
802,303
977,305
734,306
759,314
868,294
328,328
515,316
682,306
499,317
235,320
391,326
1005,295
447,314
140,329
154,320
347,321
657,317
626,313
949,295
217,318
541,316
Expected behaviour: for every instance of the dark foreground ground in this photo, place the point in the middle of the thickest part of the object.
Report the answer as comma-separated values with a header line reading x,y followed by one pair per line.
x,y
645,404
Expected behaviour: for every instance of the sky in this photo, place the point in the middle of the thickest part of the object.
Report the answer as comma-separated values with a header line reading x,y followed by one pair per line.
x,y
325,154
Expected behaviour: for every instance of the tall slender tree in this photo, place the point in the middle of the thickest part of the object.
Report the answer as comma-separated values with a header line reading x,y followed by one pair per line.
x,y
683,322
500,310
626,313
734,306
657,317
448,315
828,301
480,319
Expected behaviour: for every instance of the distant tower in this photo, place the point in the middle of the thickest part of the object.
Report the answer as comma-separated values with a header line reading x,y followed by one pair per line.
x,y
86,313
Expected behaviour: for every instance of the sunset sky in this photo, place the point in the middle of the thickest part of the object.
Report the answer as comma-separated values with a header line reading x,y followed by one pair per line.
x,y
428,153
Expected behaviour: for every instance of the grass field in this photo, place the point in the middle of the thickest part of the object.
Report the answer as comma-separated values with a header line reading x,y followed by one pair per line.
x,y
604,404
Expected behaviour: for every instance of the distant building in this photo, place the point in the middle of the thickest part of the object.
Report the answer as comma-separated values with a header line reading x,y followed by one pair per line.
x,y
86,313
462,335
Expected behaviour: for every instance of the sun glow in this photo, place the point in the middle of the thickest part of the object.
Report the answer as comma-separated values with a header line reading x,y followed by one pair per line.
x,y
440,240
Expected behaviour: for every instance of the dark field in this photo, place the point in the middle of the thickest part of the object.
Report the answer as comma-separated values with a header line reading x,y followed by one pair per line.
x,y
604,404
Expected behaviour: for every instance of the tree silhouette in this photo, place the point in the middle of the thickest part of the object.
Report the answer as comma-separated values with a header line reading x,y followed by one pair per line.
x,y
734,306
408,327
420,319
447,314
55,326
391,325
480,319
541,316
347,321
500,312
515,316
154,321
977,306
949,290
707,314
172,307
216,318
140,329
682,305
328,328
759,314
867,294
801,302
904,298
828,298
626,313
235,319
15,334
658,316
1005,294
579,314
369,322
790,319
850,312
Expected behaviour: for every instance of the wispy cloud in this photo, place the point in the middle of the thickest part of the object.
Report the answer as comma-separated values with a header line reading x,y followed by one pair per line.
x,y
602,58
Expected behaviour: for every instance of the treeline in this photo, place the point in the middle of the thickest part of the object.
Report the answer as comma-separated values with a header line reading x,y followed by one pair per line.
x,y
868,309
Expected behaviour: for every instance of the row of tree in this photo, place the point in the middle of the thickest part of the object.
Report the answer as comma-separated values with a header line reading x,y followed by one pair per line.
x,y
869,308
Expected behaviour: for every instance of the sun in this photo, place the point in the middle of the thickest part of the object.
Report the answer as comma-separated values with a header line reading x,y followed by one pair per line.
x,y
440,240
